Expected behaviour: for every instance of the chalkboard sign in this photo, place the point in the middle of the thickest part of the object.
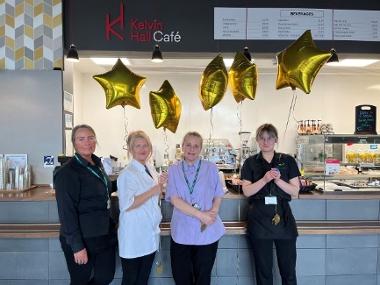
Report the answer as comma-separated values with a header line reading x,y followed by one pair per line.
x,y
365,120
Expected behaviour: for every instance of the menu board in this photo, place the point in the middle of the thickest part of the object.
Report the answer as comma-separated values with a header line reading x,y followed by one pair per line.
x,y
290,23
365,120
230,24
353,25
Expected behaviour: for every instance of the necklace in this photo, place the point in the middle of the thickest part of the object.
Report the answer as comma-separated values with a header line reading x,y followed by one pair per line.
x,y
191,188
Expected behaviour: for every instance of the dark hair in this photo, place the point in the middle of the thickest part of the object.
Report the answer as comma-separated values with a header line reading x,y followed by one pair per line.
x,y
268,128
192,134
77,127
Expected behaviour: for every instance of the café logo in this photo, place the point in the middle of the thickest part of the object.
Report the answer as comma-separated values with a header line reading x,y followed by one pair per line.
x,y
139,30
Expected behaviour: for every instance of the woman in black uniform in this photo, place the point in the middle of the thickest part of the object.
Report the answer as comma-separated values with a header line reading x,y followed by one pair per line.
x,y
88,234
269,180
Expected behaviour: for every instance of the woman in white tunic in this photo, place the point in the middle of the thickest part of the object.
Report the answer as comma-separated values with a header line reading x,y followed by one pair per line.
x,y
139,188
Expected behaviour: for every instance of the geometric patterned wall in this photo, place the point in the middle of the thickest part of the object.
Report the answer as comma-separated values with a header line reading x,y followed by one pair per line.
x,y
31,34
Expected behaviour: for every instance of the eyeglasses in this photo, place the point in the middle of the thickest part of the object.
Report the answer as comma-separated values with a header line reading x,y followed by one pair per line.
x,y
83,139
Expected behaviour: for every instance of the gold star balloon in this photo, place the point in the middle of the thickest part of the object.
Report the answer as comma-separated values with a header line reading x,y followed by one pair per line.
x,y
213,83
121,86
298,64
165,107
242,78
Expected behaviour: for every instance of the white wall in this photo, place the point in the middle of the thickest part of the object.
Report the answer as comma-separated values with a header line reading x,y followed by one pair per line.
x,y
333,100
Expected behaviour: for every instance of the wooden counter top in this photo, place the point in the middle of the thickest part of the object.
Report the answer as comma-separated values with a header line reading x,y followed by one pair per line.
x,y
232,228
39,193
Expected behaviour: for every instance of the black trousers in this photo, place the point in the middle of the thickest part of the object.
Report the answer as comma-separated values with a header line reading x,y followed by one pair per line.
x,y
286,258
100,268
136,271
192,264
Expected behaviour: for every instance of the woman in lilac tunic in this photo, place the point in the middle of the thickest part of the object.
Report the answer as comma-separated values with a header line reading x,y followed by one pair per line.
x,y
196,192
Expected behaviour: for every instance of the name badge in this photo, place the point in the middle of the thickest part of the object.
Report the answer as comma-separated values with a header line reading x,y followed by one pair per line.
x,y
270,200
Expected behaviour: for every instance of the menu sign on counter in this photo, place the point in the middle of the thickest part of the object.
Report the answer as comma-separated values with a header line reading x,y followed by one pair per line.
x,y
290,23
365,120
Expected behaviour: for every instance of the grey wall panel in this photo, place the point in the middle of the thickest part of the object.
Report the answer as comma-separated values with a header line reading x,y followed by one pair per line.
x,y
351,241
54,244
57,266
53,212
59,282
24,212
311,280
233,210
351,261
26,282
309,209
351,280
226,262
24,265
352,209
23,245
311,262
31,116
311,241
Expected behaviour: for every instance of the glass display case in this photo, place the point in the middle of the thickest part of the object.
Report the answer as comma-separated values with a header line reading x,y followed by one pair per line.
x,y
340,162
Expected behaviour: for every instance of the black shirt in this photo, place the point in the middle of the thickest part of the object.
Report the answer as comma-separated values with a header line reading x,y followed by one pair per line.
x,y
82,193
260,215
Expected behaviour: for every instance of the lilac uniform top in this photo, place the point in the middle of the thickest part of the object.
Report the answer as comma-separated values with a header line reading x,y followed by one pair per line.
x,y
186,229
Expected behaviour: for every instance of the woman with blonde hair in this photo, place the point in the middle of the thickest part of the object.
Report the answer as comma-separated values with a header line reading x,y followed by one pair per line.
x,y
139,188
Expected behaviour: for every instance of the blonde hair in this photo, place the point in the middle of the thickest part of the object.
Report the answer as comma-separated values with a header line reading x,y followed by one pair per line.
x,y
192,134
268,128
133,136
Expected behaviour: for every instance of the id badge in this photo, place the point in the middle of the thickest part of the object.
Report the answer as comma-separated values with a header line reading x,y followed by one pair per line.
x,y
108,204
270,200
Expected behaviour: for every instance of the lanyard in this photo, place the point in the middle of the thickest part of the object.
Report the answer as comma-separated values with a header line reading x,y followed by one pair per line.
x,y
103,178
191,189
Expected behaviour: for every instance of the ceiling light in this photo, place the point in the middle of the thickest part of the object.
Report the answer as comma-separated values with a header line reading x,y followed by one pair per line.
x,y
247,53
109,60
72,54
354,62
157,55
334,56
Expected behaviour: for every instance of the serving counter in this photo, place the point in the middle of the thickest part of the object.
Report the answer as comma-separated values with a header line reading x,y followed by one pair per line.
x,y
339,234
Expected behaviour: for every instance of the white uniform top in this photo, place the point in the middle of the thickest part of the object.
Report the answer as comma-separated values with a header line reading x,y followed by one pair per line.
x,y
139,230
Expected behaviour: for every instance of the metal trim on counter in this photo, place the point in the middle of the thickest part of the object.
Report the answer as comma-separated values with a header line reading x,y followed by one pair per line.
x,y
232,228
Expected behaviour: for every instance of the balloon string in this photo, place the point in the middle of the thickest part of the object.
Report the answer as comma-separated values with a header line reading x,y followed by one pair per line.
x,y
125,145
166,143
291,107
211,130
239,115
294,107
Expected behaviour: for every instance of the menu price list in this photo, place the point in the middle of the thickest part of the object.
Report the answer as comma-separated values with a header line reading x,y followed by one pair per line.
x,y
356,25
230,24
289,24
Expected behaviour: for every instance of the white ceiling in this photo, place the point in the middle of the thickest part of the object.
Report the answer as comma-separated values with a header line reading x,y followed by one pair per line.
x,y
140,62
